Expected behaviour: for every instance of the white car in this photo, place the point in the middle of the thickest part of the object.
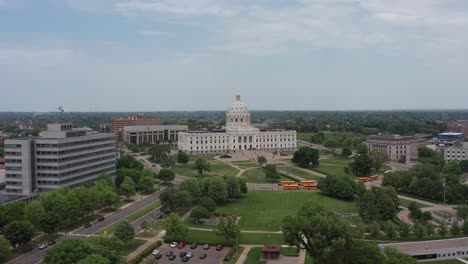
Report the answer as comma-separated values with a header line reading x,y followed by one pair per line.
x,y
173,244
189,254
156,252
43,246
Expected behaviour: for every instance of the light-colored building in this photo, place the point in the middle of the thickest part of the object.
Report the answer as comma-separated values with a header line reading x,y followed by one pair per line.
x,y
61,156
118,124
237,135
433,249
397,147
152,134
457,152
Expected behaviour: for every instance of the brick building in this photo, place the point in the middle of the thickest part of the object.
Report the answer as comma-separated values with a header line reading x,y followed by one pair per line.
x,y
459,127
118,124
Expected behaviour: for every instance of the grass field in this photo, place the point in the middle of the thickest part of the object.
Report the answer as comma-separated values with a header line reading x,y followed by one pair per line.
x,y
261,209
246,164
299,172
406,203
304,136
331,169
210,237
217,169
258,176
254,255
336,160
132,245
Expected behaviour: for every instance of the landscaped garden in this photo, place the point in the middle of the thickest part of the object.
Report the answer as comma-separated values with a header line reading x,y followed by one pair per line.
x,y
258,176
263,210
299,172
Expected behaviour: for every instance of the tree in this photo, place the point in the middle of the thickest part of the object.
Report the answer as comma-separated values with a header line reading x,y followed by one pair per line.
x,y
305,157
94,259
396,257
175,228
443,229
361,149
233,186
166,175
124,231
201,165
271,172
405,231
199,212
465,228
317,229
243,185
455,230
346,152
68,251
464,166
144,225
362,165
378,158
342,187
208,204
375,230
49,223
108,247
217,189
390,230
261,160
127,187
5,252
192,186
159,152
415,211
182,157
34,212
227,228
419,230
453,168
146,184
19,232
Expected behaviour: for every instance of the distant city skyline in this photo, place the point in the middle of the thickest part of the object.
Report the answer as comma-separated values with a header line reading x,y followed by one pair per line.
x,y
187,55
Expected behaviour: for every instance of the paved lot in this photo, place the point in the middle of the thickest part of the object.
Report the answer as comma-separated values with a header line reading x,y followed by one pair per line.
x,y
214,257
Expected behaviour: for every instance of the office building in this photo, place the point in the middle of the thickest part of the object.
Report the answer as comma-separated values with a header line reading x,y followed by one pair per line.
x,y
398,148
152,134
118,124
60,156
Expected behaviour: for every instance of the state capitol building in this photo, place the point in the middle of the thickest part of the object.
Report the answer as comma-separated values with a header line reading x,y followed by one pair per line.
x,y
238,135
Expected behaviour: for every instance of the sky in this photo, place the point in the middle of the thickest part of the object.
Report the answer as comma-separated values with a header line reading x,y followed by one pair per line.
x,y
165,55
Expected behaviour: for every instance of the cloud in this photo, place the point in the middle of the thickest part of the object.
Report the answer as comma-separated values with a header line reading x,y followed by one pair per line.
x,y
176,7
29,56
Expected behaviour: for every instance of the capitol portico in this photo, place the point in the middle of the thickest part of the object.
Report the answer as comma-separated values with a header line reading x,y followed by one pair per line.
x,y
237,135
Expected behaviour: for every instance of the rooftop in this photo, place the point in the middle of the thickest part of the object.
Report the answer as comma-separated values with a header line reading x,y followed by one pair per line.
x,y
271,248
450,134
408,247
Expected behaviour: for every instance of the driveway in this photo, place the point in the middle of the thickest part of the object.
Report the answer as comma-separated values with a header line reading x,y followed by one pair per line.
x,y
214,257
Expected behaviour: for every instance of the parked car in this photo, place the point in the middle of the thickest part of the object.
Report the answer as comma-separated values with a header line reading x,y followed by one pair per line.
x,y
219,247
203,256
206,247
87,225
101,218
185,259
156,252
158,256
193,246
181,244
173,244
189,254
182,254
43,246
169,253
172,257
52,242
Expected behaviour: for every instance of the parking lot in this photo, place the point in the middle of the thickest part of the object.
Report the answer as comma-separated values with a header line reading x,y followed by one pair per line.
x,y
213,256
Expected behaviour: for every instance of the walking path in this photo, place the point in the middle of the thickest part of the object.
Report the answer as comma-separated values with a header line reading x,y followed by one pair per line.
x,y
242,231
148,243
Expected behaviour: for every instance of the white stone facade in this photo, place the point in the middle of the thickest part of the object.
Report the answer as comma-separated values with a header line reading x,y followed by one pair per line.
x,y
238,135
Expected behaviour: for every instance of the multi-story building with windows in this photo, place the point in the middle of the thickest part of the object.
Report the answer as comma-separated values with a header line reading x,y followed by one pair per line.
x,y
397,147
152,134
457,152
237,135
60,156
118,124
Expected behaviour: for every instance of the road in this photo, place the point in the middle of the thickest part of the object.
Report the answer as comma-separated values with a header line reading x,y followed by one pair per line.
x,y
36,255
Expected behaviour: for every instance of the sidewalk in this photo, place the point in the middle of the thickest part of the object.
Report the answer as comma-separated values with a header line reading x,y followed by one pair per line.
x,y
148,243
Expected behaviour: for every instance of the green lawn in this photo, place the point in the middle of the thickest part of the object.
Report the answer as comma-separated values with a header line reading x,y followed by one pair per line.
x,y
336,160
210,237
304,136
132,245
254,255
258,176
331,169
217,169
246,164
261,209
289,251
406,203
299,172
235,257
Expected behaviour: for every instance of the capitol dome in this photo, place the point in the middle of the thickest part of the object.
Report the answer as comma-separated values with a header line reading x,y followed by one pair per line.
x,y
238,115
